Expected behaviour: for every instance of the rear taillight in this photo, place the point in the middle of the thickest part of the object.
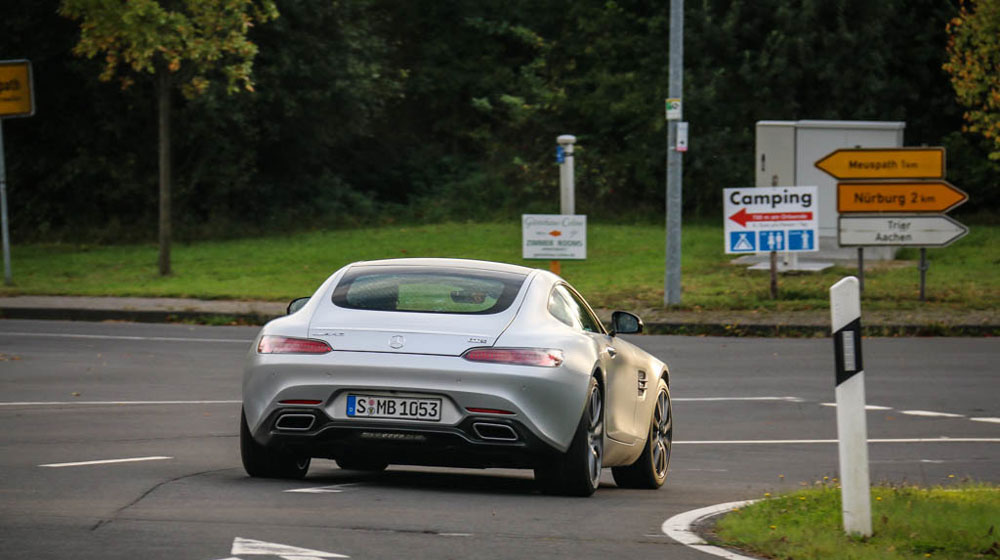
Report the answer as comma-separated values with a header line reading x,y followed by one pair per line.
x,y
271,344
543,357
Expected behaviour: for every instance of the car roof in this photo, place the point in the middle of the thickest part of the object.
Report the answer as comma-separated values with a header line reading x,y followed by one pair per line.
x,y
450,263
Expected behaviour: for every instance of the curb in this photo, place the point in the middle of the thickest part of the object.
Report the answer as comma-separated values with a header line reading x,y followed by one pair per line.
x,y
258,318
679,528
133,315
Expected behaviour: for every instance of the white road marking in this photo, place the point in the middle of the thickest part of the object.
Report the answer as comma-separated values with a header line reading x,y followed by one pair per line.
x,y
720,399
993,420
796,441
678,528
250,547
931,413
124,337
867,406
105,403
105,462
336,488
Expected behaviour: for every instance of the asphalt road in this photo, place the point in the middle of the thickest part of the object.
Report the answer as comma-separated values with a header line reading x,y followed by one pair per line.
x,y
749,418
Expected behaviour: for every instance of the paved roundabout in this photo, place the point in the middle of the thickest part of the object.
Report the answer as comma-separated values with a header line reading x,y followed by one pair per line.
x,y
120,440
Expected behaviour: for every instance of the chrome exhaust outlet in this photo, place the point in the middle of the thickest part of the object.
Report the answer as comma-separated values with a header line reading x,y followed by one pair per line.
x,y
295,422
494,432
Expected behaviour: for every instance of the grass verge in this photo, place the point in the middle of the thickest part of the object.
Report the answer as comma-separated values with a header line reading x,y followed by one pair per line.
x,y
909,522
624,268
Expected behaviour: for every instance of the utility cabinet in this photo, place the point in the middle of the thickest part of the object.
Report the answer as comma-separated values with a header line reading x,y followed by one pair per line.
x,y
786,154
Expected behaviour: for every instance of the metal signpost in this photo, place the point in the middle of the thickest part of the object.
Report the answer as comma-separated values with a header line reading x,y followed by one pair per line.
x,y
17,99
852,425
674,107
771,219
894,197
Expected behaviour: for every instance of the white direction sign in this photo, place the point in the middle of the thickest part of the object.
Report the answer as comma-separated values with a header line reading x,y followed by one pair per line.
x,y
763,219
900,230
554,236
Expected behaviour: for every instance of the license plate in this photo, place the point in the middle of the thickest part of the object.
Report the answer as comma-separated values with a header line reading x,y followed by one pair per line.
x,y
375,406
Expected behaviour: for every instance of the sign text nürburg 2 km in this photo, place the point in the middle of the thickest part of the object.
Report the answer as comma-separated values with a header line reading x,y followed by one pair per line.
x,y
912,196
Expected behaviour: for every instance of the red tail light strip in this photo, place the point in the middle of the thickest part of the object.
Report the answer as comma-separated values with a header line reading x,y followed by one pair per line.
x,y
271,344
542,357
488,410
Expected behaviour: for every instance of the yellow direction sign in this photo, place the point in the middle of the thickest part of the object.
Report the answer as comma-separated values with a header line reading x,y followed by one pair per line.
x,y
908,196
885,163
16,96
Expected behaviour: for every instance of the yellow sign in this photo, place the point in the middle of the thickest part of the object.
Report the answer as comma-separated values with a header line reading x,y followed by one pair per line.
x,y
16,96
910,196
885,163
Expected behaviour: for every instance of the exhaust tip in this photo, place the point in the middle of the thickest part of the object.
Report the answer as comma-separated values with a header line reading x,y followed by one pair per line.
x,y
295,422
494,432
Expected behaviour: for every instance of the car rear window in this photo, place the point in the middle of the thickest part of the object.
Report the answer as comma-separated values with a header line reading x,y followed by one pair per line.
x,y
427,289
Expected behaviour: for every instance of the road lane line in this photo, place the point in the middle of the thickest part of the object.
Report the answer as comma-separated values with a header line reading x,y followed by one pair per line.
x,y
867,406
993,420
124,337
106,403
104,462
931,413
721,399
797,441
679,528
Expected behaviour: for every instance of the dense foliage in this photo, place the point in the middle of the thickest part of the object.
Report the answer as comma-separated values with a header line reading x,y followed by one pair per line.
x,y
373,111
974,65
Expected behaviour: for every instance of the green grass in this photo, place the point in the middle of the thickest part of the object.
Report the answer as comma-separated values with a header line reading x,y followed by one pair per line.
x,y
624,268
908,522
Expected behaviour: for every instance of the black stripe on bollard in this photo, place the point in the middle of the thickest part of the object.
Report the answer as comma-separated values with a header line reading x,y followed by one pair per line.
x,y
847,350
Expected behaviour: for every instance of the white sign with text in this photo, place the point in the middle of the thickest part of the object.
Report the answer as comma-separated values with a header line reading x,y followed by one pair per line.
x,y
764,219
554,236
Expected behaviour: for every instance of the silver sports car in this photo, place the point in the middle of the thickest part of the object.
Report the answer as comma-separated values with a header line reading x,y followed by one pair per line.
x,y
458,363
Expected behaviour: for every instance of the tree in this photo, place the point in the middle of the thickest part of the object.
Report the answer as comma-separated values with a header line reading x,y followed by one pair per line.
x,y
974,65
145,37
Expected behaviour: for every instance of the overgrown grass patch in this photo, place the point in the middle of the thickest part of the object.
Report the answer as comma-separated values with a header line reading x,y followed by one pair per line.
x,y
959,521
624,268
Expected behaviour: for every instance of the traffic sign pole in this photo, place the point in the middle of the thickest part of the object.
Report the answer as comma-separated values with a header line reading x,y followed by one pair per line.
x,y
672,274
7,276
567,186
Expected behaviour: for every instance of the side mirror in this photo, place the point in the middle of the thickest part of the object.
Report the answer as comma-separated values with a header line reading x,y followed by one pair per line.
x,y
296,304
623,322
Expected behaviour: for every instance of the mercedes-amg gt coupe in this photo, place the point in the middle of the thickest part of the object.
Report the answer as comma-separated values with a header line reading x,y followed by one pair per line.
x,y
455,363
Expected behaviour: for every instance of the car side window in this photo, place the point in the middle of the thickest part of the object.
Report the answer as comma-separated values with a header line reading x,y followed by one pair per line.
x,y
567,307
589,322
561,306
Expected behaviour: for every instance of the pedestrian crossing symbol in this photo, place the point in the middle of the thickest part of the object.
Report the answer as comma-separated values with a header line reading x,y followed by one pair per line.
x,y
742,242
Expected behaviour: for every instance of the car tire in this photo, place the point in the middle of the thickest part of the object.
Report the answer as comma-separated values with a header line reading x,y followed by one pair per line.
x,y
649,471
578,471
356,464
258,461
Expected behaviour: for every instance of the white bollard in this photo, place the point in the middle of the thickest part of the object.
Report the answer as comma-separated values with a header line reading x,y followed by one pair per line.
x,y
852,426
567,188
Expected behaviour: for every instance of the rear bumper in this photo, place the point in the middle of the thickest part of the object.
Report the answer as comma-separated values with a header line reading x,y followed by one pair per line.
x,y
545,404
475,442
